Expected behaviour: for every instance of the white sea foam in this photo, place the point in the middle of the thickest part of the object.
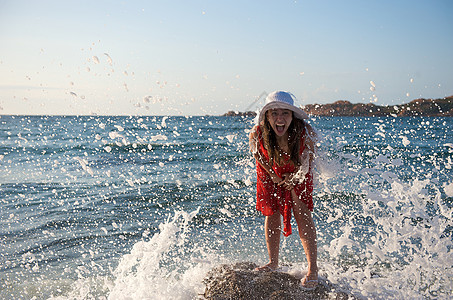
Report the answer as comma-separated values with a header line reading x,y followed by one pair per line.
x,y
119,128
230,137
158,137
448,187
115,135
404,241
163,123
142,274
84,164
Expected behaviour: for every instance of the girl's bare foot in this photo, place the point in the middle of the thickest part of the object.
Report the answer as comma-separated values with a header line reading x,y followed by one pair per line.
x,y
268,268
309,282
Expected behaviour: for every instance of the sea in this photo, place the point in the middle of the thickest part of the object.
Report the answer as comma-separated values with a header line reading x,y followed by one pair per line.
x,y
142,207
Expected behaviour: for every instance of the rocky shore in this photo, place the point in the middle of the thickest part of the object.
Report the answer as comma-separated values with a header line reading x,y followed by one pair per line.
x,y
416,108
240,281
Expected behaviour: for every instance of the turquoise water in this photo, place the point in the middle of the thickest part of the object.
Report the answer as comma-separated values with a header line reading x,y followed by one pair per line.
x,y
103,207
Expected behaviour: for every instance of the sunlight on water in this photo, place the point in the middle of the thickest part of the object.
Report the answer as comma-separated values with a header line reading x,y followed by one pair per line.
x,y
103,207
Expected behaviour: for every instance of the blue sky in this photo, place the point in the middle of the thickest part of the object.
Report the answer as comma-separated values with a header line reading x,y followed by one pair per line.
x,y
208,57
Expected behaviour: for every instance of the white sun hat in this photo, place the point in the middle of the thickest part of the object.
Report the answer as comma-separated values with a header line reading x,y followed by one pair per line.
x,y
281,100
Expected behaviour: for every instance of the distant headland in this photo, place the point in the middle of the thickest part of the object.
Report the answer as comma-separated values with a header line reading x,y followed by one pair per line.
x,y
416,108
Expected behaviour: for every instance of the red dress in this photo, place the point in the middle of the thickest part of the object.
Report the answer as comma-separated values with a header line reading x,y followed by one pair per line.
x,y
270,197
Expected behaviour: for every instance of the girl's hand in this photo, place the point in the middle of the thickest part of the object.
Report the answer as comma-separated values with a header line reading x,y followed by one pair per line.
x,y
276,179
287,182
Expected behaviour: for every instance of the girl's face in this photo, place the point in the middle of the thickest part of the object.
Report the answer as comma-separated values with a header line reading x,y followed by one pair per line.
x,y
280,119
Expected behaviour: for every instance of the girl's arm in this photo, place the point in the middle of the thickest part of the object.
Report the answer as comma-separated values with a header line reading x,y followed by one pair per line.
x,y
307,161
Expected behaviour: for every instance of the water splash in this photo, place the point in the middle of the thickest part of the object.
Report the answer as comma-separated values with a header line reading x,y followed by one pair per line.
x,y
383,209
161,268
397,241
109,59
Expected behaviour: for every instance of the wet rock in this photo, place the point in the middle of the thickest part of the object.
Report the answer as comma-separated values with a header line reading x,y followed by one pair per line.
x,y
240,281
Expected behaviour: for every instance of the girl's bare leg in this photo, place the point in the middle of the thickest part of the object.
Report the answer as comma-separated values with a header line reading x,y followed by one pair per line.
x,y
272,230
307,234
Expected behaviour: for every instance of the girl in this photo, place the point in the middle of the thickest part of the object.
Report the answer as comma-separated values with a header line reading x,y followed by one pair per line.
x,y
283,145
